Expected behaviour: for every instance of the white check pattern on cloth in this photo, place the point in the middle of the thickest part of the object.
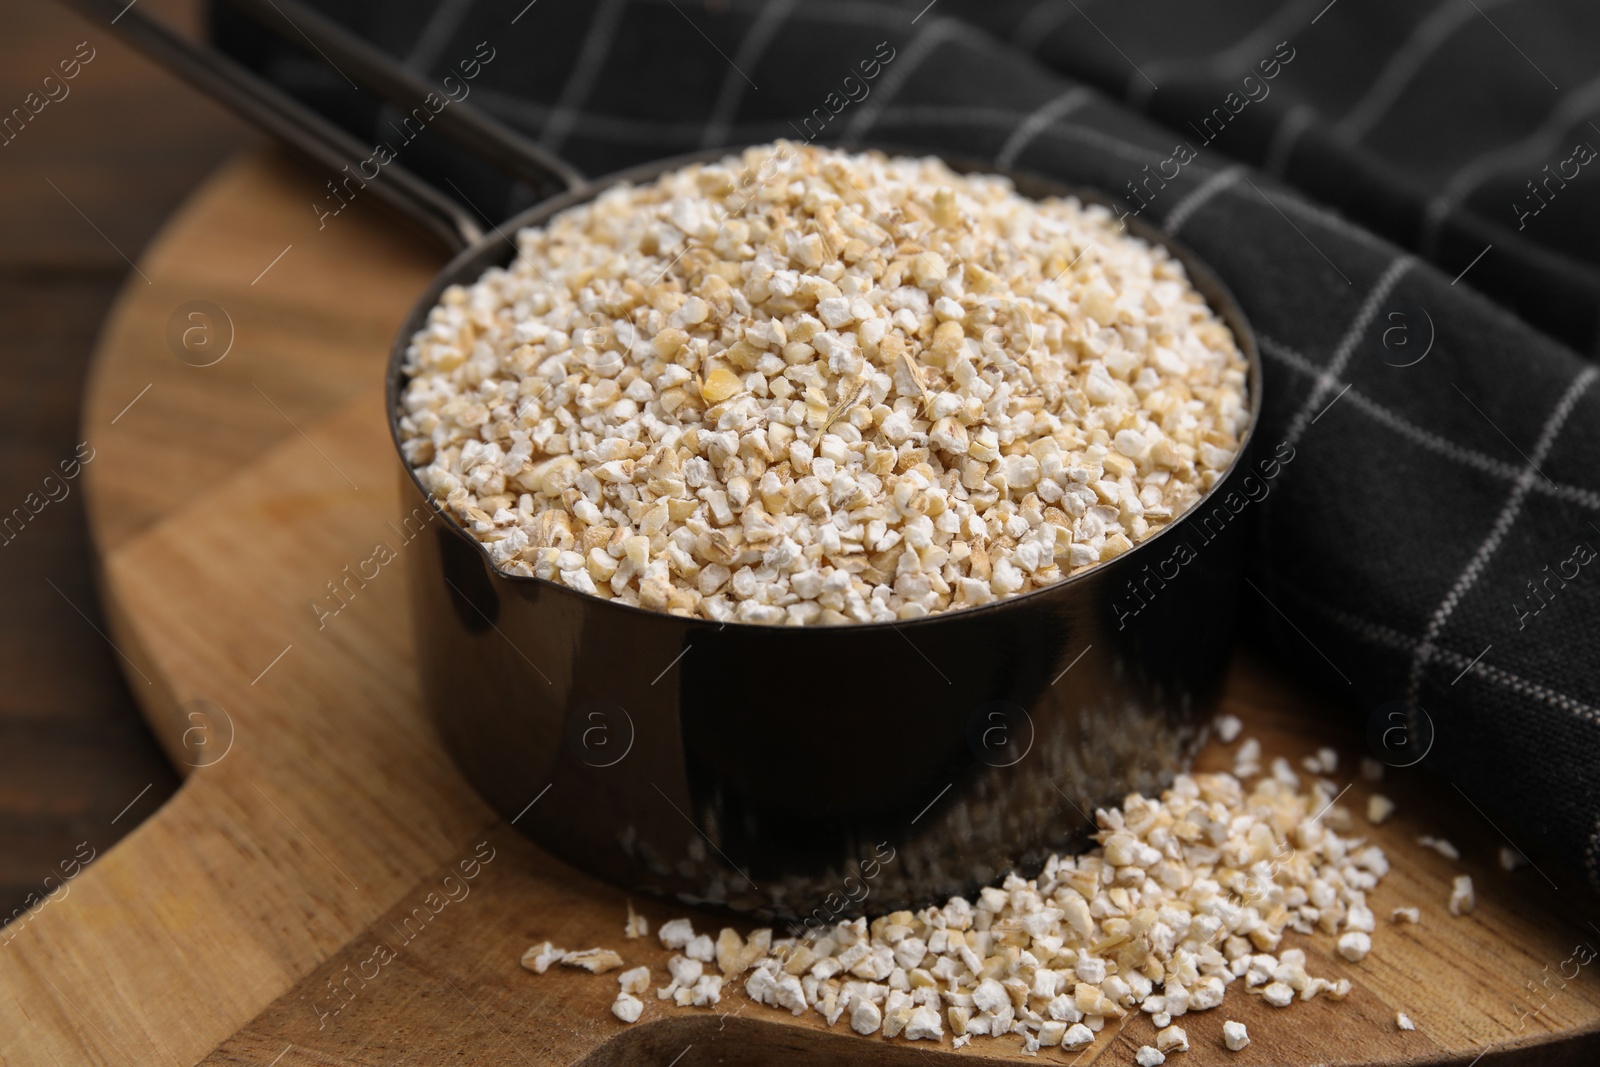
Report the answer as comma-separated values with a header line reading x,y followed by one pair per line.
x,y
1388,637
1384,91
1280,151
1497,532
934,33
1526,154
436,34
1292,16
580,83
1219,182
1355,141
755,43
1347,345
1047,115
1381,415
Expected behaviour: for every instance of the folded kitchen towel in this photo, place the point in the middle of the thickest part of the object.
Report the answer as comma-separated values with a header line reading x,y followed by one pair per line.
x,y
1404,196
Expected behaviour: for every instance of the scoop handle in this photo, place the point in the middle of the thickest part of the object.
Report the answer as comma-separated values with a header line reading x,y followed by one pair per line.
x,y
279,115
474,130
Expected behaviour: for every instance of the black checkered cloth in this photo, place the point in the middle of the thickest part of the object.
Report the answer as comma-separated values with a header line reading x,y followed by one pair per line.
x,y
1404,197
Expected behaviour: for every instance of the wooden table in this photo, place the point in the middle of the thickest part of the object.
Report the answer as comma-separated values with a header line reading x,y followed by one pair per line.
x,y
77,763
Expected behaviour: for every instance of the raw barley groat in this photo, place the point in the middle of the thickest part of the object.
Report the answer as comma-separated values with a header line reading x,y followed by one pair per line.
x,y
800,386
1189,898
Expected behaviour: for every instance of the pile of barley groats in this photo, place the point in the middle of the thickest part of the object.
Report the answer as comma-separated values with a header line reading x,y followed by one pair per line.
x,y
800,386
1186,896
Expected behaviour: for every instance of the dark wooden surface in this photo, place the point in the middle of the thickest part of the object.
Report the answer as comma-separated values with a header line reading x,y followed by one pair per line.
x,y
126,145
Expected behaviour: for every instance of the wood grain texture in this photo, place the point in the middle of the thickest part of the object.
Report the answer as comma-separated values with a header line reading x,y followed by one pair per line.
x,y
242,924
78,765
304,329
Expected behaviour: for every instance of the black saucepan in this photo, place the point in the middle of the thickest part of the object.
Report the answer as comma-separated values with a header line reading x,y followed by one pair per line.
x,y
798,773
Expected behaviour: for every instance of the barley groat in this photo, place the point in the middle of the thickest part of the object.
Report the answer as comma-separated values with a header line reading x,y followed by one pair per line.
x,y
1188,899
801,386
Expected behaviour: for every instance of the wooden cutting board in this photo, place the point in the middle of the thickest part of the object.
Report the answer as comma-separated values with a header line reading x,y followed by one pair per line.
x,y
288,906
